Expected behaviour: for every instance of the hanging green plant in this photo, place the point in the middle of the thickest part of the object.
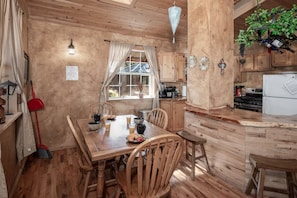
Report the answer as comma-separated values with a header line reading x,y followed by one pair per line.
x,y
274,29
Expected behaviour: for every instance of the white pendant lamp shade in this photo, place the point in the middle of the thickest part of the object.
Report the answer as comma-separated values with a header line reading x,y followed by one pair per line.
x,y
174,17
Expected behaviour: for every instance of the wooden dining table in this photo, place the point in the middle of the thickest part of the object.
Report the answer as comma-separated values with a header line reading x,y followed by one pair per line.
x,y
104,145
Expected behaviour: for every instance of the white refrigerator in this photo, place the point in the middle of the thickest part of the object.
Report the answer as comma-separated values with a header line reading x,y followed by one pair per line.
x,y
280,94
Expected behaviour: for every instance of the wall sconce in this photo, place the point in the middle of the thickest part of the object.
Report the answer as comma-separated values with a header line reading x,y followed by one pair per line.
x,y
10,91
71,49
222,65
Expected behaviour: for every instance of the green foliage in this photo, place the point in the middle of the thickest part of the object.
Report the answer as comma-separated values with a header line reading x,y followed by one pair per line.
x,y
277,22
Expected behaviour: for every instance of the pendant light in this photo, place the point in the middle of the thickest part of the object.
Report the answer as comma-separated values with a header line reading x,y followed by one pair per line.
x,y
174,17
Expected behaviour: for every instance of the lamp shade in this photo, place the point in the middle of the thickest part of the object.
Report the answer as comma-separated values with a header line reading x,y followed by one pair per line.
x,y
71,49
174,13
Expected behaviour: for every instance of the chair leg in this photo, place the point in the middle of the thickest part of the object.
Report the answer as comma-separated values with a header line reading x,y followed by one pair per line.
x,y
193,159
251,183
85,190
205,157
187,151
118,192
260,187
290,184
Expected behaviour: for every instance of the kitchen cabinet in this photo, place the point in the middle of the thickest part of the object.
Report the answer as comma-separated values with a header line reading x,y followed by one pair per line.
x,y
257,62
284,59
238,75
175,112
172,66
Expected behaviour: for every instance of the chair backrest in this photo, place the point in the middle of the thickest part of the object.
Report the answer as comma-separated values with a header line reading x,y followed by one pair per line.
x,y
79,142
156,160
106,108
158,117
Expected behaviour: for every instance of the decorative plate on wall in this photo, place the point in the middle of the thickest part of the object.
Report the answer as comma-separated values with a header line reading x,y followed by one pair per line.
x,y
203,63
192,61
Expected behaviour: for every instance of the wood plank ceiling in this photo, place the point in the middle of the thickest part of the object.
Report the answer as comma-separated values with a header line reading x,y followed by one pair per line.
x,y
146,18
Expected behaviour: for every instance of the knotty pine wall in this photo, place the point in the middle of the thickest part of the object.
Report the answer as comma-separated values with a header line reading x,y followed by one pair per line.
x,y
48,44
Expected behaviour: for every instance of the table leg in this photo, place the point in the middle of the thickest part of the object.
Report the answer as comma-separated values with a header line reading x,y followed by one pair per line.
x,y
100,184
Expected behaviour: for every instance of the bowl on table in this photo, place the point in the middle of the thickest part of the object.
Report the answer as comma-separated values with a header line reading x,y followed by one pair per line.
x,y
93,126
138,120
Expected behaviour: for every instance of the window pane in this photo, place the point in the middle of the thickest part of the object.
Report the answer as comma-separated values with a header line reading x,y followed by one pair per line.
x,y
114,92
134,91
125,68
145,68
115,80
135,79
125,86
145,80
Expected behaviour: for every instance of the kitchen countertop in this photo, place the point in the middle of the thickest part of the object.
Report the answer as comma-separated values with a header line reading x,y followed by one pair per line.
x,y
245,118
177,98
9,119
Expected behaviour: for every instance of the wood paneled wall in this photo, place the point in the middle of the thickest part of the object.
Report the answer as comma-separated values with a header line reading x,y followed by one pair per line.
x,y
229,145
225,147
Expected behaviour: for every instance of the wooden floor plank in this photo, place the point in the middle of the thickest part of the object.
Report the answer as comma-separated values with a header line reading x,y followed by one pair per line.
x,y
59,178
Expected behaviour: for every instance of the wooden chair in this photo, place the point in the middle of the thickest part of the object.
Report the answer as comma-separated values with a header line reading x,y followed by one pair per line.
x,y
260,164
191,156
158,117
151,176
85,163
106,108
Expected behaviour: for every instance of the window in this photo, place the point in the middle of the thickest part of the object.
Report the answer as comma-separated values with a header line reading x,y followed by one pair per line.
x,y
133,75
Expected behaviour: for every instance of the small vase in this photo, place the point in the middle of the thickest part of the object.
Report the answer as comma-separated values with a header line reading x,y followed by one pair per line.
x,y
140,95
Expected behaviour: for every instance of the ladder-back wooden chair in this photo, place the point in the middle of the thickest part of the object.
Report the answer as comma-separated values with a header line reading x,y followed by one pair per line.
x,y
158,117
151,176
85,163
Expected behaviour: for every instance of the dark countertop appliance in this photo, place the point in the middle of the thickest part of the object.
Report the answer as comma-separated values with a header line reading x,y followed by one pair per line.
x,y
168,92
252,100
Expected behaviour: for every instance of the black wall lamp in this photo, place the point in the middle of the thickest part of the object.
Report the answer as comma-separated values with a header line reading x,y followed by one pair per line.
x,y
10,91
71,49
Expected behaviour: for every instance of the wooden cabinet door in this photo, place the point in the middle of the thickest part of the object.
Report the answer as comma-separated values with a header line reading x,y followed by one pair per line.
x,y
284,59
261,62
249,63
279,59
178,115
238,75
256,62
180,63
167,106
167,67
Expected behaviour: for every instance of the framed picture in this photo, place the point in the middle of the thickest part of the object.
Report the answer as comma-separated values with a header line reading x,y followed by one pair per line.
x,y
26,67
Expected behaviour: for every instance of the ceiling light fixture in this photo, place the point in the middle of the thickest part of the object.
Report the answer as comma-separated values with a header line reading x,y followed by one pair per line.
x,y
174,13
71,49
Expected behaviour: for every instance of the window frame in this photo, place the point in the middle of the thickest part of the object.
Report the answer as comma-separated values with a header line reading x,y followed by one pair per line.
x,y
120,74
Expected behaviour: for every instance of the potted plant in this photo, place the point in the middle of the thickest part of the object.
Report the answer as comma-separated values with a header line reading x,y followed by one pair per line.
x,y
274,29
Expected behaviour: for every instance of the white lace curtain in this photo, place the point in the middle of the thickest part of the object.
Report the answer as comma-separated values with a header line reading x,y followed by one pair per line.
x,y
12,56
150,52
118,52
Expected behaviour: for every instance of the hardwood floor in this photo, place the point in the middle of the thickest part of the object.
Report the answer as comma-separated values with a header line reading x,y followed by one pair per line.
x,y
59,178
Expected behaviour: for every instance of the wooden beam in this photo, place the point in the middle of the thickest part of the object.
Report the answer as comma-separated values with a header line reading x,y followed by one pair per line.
x,y
243,6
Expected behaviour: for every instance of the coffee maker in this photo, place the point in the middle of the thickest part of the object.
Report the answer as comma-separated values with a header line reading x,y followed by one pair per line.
x,y
168,92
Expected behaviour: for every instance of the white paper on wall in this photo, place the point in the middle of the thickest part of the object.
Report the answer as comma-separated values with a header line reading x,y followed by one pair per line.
x,y
71,72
